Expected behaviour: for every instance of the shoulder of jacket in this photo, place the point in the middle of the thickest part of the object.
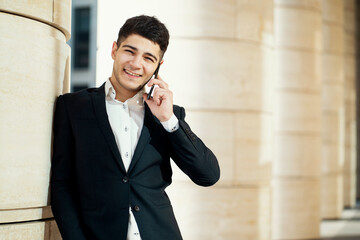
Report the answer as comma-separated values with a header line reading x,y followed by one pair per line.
x,y
78,100
79,95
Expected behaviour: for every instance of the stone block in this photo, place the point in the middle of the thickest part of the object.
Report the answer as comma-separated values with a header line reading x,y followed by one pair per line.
x,y
298,112
332,100
349,15
333,11
20,215
254,20
302,71
331,196
350,125
43,230
331,128
349,44
254,151
333,38
332,162
349,197
332,69
296,208
298,28
297,155
230,212
350,71
38,9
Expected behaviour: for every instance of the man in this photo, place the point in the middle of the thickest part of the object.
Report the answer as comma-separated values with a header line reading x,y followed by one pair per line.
x,y
112,147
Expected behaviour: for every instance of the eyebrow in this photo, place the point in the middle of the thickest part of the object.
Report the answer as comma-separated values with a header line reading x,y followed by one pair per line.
x,y
135,49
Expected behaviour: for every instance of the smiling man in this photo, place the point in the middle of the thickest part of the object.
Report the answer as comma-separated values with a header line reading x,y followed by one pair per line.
x,y
112,147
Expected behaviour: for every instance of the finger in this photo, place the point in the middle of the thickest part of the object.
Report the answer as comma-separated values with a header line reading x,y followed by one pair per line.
x,y
161,95
150,102
158,97
161,83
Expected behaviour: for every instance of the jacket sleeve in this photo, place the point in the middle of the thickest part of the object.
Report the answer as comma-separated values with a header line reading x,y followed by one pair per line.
x,y
191,155
63,200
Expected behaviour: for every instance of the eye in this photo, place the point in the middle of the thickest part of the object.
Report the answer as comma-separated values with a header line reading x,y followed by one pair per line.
x,y
129,51
149,59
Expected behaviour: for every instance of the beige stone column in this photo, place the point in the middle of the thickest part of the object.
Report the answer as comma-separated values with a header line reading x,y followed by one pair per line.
x,y
357,83
297,162
219,67
349,103
226,88
34,69
332,109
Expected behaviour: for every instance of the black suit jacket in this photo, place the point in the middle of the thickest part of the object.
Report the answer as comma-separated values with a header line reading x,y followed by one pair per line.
x,y
90,190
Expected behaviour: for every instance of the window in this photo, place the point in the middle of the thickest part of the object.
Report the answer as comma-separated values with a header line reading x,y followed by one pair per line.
x,y
81,38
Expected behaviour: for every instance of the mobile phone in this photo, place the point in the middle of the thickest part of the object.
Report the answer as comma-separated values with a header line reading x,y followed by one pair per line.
x,y
152,87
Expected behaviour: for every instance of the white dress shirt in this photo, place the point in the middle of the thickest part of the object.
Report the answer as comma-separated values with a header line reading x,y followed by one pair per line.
x,y
126,121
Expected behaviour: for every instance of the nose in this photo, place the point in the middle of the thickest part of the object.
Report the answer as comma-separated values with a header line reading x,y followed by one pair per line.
x,y
136,62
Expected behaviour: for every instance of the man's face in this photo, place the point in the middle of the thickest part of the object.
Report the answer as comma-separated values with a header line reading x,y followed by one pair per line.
x,y
135,61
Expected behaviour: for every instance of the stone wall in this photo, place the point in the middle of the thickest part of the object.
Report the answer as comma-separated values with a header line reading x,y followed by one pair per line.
x,y
34,70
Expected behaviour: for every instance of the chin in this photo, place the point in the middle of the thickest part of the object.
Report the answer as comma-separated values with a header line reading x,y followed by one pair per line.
x,y
136,87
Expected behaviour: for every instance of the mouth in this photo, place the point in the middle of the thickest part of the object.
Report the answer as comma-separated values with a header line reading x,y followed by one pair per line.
x,y
132,74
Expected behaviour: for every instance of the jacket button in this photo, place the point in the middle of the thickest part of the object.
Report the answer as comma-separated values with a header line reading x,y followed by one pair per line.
x,y
136,208
125,179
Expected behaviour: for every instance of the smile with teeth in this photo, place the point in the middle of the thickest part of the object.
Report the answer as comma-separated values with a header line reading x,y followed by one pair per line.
x,y
131,73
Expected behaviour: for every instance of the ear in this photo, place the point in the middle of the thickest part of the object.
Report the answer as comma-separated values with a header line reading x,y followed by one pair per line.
x,y
114,50
162,61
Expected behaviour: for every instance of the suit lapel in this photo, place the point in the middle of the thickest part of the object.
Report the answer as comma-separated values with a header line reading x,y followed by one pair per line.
x,y
145,137
102,117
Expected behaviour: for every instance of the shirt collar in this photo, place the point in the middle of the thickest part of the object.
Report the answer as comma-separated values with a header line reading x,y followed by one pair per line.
x,y
136,100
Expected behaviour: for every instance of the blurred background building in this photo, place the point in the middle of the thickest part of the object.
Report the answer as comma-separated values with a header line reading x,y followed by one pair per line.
x,y
83,44
270,85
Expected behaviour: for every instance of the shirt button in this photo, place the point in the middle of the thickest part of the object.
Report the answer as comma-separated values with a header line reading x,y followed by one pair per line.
x,y
125,179
124,106
126,154
136,208
126,129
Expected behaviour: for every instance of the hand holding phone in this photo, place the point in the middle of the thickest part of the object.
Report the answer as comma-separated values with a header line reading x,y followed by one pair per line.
x,y
160,101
